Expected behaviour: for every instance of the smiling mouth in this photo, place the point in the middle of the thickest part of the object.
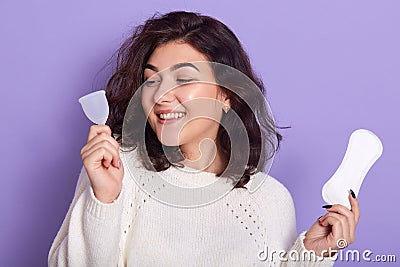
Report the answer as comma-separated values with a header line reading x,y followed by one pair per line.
x,y
171,116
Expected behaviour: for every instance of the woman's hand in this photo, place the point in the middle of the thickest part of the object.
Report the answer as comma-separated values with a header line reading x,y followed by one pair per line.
x,y
102,162
335,230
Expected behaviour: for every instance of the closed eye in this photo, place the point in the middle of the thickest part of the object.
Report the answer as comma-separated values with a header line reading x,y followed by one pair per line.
x,y
184,80
151,83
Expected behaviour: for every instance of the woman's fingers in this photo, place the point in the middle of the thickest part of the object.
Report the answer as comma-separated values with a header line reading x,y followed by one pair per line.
x,y
103,154
99,154
336,229
355,208
344,218
97,129
350,220
101,138
104,144
339,223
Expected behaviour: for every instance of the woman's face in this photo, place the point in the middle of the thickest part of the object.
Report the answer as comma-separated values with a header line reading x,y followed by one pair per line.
x,y
180,107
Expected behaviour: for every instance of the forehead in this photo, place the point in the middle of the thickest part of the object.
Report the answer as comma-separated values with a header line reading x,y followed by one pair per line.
x,y
172,53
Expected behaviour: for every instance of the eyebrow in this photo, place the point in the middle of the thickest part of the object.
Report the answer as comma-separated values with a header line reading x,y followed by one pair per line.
x,y
149,66
185,64
173,68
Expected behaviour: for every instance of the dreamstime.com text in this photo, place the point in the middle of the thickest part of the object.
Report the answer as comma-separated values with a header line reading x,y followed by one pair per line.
x,y
349,255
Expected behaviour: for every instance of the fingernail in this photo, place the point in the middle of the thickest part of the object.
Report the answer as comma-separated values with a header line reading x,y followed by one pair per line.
x,y
327,206
320,217
352,193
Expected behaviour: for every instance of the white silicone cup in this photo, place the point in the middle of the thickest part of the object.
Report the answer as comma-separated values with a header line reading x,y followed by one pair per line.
x,y
363,150
95,106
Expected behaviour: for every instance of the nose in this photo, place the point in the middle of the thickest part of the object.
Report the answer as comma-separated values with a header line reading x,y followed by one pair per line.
x,y
164,93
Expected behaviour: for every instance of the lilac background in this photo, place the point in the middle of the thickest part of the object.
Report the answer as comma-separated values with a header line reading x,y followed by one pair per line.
x,y
330,67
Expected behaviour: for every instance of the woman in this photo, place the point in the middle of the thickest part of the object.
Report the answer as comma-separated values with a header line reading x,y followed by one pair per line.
x,y
111,221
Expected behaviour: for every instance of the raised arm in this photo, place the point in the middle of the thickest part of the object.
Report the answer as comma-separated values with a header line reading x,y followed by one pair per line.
x,y
91,231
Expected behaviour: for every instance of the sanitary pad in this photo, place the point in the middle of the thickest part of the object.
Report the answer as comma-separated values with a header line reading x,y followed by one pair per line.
x,y
363,150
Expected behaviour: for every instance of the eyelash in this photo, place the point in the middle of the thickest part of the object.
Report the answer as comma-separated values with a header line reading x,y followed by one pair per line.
x,y
184,80
153,82
150,83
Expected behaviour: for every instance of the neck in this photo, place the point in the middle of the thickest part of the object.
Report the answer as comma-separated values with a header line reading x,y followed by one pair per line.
x,y
203,156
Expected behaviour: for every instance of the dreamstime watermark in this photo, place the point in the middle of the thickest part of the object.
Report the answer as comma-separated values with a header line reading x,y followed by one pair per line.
x,y
349,255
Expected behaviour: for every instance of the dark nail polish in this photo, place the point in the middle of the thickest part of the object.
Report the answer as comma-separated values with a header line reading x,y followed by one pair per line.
x,y
327,206
352,193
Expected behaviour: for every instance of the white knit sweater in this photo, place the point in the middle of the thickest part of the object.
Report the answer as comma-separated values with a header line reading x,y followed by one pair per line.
x,y
137,230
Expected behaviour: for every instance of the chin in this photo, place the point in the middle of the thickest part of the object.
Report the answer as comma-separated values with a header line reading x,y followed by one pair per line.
x,y
168,141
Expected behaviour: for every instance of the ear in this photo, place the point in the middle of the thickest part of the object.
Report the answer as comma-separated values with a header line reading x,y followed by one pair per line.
x,y
224,99
227,102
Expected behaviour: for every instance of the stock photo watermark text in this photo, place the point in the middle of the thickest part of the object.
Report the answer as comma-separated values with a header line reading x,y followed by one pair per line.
x,y
348,255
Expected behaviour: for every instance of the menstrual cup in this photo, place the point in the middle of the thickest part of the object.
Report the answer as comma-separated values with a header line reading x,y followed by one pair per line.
x,y
95,106
363,150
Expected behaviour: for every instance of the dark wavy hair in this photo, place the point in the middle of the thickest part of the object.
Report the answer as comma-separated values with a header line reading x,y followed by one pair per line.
x,y
219,44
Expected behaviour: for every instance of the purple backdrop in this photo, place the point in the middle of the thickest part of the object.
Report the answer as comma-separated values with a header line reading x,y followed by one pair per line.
x,y
330,67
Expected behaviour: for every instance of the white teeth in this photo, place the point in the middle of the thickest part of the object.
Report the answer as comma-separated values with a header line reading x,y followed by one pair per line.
x,y
173,115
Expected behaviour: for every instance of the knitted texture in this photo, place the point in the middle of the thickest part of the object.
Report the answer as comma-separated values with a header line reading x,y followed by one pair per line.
x,y
239,229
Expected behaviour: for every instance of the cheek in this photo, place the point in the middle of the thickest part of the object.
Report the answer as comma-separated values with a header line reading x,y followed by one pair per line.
x,y
197,90
194,97
147,103
201,101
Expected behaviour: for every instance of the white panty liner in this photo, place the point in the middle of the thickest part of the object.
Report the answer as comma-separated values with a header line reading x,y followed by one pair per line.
x,y
363,150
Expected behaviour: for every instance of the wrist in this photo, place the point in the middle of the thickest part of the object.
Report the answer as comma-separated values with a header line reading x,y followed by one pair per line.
x,y
103,210
106,196
106,199
309,244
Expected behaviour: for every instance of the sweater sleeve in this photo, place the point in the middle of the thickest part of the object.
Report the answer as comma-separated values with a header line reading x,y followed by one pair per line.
x,y
90,232
298,255
279,211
